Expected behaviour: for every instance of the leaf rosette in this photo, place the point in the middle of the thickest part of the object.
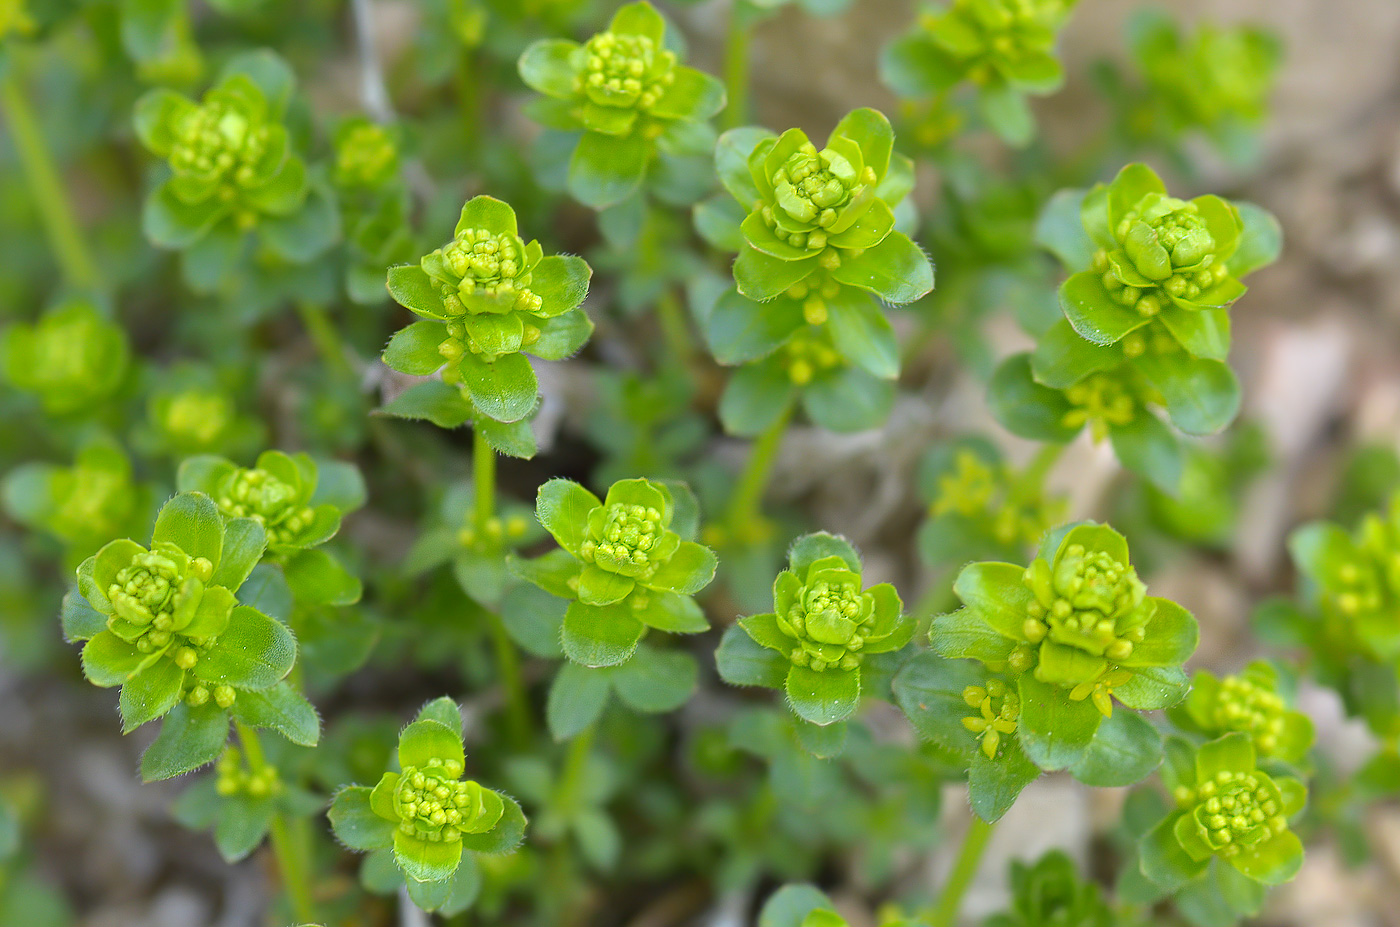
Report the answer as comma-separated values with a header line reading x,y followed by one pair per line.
x,y
163,623
627,562
487,296
426,815
825,623
1226,808
72,358
1075,630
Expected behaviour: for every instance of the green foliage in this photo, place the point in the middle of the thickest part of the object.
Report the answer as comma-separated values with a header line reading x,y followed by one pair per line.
x,y
1051,893
72,359
425,815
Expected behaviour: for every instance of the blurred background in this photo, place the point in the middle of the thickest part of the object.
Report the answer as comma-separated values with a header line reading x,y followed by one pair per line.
x,y
1317,346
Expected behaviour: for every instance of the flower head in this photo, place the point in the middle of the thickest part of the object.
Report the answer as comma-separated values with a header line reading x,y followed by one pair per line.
x,y
1228,808
625,70
72,358
366,154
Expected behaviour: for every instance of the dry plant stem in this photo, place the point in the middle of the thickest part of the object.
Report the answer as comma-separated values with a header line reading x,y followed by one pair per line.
x,y
290,853
54,208
373,91
945,912
507,659
744,504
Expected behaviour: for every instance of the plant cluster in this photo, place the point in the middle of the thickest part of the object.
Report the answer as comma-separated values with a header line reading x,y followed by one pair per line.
x,y
599,573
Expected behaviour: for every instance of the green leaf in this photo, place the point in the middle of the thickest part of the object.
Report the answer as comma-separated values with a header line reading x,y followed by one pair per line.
x,y
307,233
562,336
1060,230
317,578
505,836
1260,242
562,507
505,389
732,162
513,439
605,169
243,823
994,784
996,593
1202,396
600,636
271,75
1131,184
433,401
155,116
1274,862
556,572
1054,730
253,652
597,586
849,401
1232,753
414,290
110,661
1125,750
825,697
171,223
266,590
809,548
414,350
1026,408
426,740
1172,636
896,270
426,862
150,694
1163,860
693,96
577,698
755,396
354,822
743,662
929,690
1203,333
191,521
244,542
545,67
792,905
282,709
1148,447
1006,113
1062,358
1093,312
1153,687
668,611
740,330
656,681
80,620
189,738
762,277
444,710
963,634
690,569
863,335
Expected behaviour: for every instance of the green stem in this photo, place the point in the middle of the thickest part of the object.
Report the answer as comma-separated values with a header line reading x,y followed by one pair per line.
x,y
325,336
945,913
736,66
483,479
1041,464
748,491
291,854
54,209
571,777
674,330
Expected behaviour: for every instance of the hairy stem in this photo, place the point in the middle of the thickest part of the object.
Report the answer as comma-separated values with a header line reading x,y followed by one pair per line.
x,y
483,480
291,853
945,912
55,211
736,66
748,491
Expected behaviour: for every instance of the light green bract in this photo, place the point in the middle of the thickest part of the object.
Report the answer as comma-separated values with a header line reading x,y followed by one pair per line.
x,y
164,624
628,563
486,297
71,358
1251,704
1004,48
625,91
825,624
1076,629
426,815
1227,808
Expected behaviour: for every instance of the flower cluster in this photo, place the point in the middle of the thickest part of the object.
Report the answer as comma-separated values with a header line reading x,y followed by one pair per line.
x,y
1357,580
279,492
164,622
366,155
997,710
628,563
980,502
625,90
825,623
426,815
1051,893
232,779
72,358
230,159
1075,628
1226,807
1249,703
1004,48
485,297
